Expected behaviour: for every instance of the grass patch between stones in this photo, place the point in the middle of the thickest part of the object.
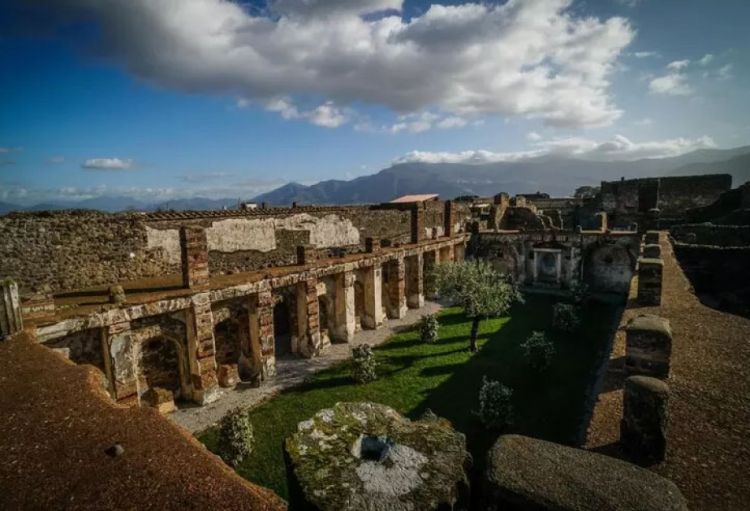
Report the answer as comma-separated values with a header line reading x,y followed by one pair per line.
x,y
446,377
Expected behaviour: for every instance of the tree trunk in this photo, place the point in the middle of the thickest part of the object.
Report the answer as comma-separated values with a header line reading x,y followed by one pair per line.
x,y
474,332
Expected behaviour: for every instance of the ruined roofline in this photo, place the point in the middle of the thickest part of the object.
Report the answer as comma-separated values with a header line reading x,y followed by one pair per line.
x,y
689,177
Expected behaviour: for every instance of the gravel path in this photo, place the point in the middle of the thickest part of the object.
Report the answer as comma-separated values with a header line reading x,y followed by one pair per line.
x,y
708,452
291,371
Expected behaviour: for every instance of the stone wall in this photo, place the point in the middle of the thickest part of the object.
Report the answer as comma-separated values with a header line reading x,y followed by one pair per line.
x,y
79,249
710,234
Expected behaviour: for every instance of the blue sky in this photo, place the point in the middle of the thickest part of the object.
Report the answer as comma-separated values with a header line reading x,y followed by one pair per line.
x,y
165,99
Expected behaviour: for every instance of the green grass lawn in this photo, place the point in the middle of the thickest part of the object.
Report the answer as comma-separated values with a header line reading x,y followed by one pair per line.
x,y
446,378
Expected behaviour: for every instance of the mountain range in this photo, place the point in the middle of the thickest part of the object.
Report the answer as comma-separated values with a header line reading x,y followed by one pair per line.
x,y
556,175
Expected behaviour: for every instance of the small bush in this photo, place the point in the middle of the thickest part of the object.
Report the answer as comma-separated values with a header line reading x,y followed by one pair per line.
x,y
538,350
363,364
428,328
236,437
495,406
565,317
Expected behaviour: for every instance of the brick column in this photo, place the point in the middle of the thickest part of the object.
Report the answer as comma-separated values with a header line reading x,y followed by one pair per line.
x,y
431,259
643,428
194,251
306,254
648,346
396,306
10,309
202,349
308,318
267,338
417,223
344,313
120,363
415,281
372,316
649,281
449,218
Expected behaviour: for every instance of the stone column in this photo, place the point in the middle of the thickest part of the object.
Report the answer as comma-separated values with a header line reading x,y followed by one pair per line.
x,y
446,254
202,349
415,281
194,251
308,318
648,346
449,218
643,428
459,252
345,313
10,309
266,341
417,223
396,306
649,281
120,363
372,316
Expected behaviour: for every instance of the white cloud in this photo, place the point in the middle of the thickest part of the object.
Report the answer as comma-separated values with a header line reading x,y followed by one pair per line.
x,y
678,65
724,72
326,115
533,136
645,54
706,59
107,164
452,122
674,84
534,59
619,148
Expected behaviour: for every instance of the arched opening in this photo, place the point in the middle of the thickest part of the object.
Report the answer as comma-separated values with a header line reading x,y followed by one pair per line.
x,y
282,326
161,366
359,303
227,338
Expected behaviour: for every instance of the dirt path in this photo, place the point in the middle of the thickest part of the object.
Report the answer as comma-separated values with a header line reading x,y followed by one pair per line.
x,y
708,452
291,371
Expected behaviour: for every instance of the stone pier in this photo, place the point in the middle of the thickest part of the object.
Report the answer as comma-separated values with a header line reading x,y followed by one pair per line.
x,y
373,304
648,346
202,349
414,281
650,280
308,319
344,313
395,306
643,429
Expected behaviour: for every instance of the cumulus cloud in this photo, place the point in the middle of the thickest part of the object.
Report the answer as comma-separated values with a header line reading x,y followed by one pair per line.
x,y
706,59
645,54
674,83
327,115
107,164
534,59
619,148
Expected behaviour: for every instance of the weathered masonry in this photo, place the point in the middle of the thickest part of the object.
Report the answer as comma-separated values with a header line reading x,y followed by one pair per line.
x,y
186,335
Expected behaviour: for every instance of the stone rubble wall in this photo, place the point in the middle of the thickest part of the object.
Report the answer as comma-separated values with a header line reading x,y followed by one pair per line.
x,y
78,249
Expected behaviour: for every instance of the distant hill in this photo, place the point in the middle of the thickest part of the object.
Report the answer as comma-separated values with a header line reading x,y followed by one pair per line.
x,y
554,175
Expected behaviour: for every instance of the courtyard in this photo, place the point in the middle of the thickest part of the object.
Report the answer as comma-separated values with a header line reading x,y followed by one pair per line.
x,y
445,377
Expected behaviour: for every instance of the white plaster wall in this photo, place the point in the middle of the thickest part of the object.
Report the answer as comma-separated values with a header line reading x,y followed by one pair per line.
x,y
237,234
168,239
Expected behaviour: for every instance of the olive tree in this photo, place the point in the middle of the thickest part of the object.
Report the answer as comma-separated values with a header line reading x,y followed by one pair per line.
x,y
478,288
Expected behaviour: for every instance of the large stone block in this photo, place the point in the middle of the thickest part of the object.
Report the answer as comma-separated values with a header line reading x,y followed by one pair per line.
x,y
366,456
652,251
643,428
650,280
648,346
528,474
651,238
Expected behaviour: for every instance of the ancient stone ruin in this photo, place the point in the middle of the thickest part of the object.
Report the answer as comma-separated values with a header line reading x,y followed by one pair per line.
x,y
358,456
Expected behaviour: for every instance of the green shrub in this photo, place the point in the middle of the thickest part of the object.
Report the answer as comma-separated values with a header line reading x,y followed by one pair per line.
x,y
538,350
363,364
236,437
565,317
495,406
428,328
